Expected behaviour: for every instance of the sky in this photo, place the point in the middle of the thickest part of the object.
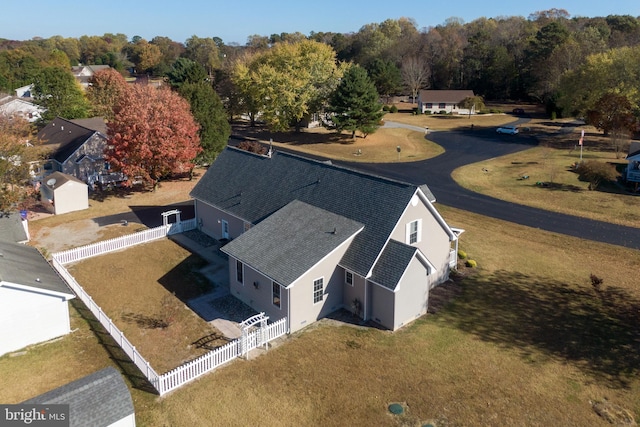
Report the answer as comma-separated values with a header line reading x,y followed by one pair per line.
x,y
235,21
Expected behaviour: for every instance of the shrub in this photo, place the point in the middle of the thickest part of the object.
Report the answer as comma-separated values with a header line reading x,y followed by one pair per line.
x,y
442,112
595,173
471,263
393,109
385,108
462,254
252,147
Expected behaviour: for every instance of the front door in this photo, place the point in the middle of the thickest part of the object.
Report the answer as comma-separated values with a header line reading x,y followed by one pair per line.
x,y
225,229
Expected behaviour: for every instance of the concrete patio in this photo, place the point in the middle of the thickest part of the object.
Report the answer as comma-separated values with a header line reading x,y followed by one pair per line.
x,y
217,307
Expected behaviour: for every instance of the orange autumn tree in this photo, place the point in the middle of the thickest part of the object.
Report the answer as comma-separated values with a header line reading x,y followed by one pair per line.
x,y
152,135
104,91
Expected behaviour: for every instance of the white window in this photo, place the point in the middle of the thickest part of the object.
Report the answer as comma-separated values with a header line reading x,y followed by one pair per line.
x,y
239,272
275,290
348,278
414,231
318,290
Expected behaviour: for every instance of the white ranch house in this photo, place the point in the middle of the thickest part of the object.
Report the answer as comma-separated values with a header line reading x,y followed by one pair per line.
x,y
307,238
439,101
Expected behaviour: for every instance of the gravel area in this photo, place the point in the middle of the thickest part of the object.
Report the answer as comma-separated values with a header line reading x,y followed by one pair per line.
x,y
200,238
232,308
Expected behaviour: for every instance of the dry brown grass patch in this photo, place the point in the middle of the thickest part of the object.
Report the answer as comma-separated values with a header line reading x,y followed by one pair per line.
x,y
380,146
143,289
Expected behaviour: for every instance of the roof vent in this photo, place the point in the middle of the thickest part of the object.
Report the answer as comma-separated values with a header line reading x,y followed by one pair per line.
x,y
38,279
61,127
51,182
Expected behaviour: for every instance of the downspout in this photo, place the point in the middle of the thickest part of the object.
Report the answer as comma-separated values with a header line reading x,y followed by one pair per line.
x,y
289,310
364,311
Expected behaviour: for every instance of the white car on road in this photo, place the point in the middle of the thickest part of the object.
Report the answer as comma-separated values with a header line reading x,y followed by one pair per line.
x,y
509,130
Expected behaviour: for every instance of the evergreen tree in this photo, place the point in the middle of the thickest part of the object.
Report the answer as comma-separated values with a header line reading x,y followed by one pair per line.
x,y
355,103
208,111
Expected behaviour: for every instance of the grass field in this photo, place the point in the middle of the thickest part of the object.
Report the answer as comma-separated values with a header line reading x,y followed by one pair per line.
x,y
526,341
145,295
562,190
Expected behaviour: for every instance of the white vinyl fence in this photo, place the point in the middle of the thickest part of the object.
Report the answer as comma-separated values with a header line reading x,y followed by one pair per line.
x,y
188,371
219,356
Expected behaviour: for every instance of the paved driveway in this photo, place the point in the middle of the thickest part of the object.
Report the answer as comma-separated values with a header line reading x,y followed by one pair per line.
x,y
467,147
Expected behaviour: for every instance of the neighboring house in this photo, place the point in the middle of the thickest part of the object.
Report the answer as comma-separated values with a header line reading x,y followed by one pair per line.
x,y
78,149
633,168
14,227
33,298
24,91
100,399
16,107
62,193
308,238
83,73
438,101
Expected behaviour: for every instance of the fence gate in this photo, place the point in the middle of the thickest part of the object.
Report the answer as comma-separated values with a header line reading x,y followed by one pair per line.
x,y
252,332
177,228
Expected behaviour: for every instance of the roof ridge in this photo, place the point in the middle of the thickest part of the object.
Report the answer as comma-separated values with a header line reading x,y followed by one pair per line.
x,y
329,162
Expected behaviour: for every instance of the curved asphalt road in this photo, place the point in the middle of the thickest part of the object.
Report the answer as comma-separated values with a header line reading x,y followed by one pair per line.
x,y
467,147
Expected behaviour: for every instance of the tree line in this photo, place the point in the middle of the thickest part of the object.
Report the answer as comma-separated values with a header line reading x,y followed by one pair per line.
x,y
576,66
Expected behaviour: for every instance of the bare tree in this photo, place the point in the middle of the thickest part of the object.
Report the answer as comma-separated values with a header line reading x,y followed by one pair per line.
x,y
415,74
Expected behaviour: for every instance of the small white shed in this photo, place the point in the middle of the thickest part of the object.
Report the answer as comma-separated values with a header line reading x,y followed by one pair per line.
x,y
33,298
64,193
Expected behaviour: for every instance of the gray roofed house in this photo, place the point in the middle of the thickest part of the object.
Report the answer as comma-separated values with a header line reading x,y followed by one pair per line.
x,y
78,149
33,298
438,101
13,227
291,241
100,399
280,211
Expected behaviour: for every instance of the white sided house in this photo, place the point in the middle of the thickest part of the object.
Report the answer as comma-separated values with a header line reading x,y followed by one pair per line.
x,y
444,101
632,173
307,238
33,298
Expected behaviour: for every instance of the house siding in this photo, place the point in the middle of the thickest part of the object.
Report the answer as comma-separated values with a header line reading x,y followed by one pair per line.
x,y
381,305
303,310
434,241
351,293
30,317
93,148
210,221
70,197
412,295
259,298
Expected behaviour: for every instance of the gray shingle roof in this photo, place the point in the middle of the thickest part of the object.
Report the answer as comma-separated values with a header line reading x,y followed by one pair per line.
x,y
634,149
66,135
24,265
99,399
11,228
252,187
291,241
392,264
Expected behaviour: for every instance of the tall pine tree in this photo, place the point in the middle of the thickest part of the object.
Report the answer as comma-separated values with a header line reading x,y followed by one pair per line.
x,y
355,103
